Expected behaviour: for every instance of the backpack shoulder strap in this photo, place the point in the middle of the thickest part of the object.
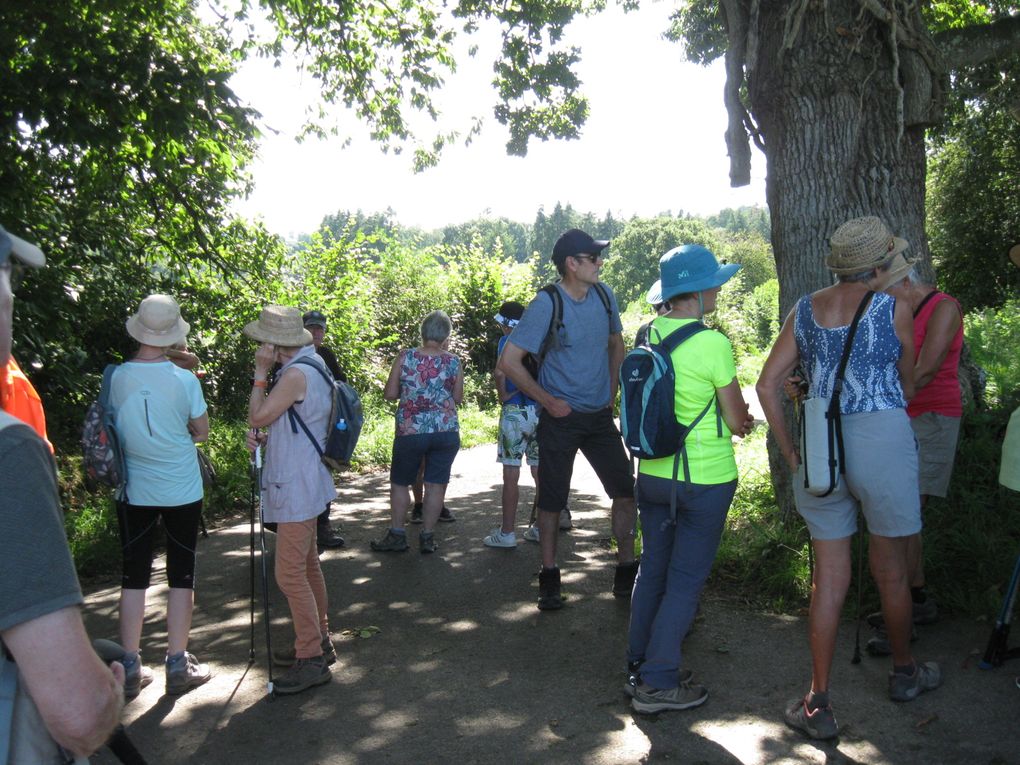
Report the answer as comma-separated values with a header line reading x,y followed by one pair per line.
x,y
555,319
924,302
106,387
676,338
320,368
600,290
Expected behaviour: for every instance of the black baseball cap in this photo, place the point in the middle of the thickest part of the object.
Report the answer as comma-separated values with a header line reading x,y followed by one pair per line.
x,y
314,318
576,242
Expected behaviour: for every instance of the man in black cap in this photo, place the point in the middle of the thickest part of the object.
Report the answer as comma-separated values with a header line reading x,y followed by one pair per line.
x,y
576,388
315,322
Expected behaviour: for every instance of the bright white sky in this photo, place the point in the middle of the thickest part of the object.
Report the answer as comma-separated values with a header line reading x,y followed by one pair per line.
x,y
653,143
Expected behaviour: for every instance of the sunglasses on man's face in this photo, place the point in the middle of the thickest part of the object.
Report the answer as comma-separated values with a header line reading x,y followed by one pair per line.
x,y
593,257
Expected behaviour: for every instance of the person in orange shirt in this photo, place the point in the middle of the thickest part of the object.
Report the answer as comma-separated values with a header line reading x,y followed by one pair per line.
x,y
19,399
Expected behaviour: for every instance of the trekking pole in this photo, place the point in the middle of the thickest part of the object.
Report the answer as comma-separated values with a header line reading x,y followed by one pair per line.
x,y
265,572
860,588
251,554
997,650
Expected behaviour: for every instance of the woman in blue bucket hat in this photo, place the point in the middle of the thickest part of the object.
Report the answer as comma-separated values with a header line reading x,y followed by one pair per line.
x,y
677,553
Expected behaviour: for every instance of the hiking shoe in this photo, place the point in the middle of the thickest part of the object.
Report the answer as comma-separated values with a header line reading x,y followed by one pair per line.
x,y
623,580
549,597
531,534
926,677
819,724
684,696
138,678
390,543
565,521
416,513
285,657
305,674
326,537
427,543
684,676
879,644
922,613
445,516
500,538
185,673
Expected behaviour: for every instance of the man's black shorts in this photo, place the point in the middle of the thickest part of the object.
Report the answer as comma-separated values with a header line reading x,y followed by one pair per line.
x,y
598,438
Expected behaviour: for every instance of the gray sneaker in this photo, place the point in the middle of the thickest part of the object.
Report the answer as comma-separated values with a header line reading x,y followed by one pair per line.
x,y
684,676
139,677
285,657
926,677
185,674
390,543
305,674
566,522
685,696
879,644
427,542
818,724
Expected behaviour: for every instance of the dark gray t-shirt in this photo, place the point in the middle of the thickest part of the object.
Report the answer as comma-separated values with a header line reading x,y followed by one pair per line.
x,y
576,365
37,574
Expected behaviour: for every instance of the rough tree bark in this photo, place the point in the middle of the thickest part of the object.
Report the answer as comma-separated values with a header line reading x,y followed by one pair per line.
x,y
838,95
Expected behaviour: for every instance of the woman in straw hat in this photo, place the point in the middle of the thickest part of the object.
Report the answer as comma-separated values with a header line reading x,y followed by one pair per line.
x,y
428,382
880,476
160,415
678,549
295,484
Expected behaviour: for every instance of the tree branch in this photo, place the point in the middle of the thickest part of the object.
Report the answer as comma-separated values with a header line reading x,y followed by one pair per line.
x,y
737,144
976,44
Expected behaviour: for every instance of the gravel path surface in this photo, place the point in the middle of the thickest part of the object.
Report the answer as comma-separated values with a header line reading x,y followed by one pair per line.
x,y
461,667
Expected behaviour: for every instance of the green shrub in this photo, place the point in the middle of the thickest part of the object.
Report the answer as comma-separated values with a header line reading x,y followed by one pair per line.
x,y
994,339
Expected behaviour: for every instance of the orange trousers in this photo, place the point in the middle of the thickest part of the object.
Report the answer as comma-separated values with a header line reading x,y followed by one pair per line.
x,y
299,578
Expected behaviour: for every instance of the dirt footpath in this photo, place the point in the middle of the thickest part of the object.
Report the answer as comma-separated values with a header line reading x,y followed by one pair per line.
x,y
463,667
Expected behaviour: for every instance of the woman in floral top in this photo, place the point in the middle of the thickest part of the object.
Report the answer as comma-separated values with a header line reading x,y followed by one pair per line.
x,y
428,383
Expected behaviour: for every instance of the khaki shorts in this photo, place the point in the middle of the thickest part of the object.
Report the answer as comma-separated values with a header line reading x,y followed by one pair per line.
x,y
936,436
880,481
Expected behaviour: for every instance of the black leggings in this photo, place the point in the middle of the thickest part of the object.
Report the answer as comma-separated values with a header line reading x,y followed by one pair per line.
x,y
137,524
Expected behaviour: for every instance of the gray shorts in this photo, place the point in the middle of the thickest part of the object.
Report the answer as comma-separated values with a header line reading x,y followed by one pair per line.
x,y
880,480
936,436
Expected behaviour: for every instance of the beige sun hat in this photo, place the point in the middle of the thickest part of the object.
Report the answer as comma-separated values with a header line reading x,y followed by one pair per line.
x,y
158,322
279,325
894,271
861,244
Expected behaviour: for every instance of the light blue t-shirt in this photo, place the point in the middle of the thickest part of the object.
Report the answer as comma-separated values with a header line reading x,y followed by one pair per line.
x,y
576,364
153,403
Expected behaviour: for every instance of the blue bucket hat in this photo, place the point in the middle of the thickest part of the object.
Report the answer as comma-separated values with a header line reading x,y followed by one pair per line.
x,y
689,268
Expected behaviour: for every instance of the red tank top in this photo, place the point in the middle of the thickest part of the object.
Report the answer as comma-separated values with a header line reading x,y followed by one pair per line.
x,y
942,394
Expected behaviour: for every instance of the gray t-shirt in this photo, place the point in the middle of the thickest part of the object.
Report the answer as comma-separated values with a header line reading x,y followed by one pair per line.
x,y
576,364
36,571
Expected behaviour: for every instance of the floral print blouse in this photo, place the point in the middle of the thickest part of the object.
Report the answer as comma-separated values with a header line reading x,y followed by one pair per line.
x,y
426,393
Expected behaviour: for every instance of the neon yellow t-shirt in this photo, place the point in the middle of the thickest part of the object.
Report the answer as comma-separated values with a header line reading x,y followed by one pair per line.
x,y
702,364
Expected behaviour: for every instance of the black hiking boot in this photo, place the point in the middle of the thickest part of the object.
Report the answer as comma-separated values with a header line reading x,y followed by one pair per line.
x,y
549,598
623,580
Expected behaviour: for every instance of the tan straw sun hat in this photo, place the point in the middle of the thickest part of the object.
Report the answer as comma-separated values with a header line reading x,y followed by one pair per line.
x,y
862,244
895,271
279,325
158,322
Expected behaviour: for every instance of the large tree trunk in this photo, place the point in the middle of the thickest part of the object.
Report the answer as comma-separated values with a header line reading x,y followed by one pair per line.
x,y
843,129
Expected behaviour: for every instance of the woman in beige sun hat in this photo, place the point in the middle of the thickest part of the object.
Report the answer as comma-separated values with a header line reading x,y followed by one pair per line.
x,y
295,483
880,477
160,415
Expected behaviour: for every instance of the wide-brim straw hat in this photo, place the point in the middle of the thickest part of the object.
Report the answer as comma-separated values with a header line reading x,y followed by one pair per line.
x,y
689,268
158,322
279,325
894,271
862,244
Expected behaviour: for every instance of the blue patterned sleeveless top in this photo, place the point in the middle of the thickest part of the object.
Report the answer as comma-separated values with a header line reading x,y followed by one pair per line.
x,y
871,382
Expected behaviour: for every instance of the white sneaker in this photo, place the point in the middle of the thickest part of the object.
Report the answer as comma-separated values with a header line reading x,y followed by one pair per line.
x,y
500,539
531,534
565,521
